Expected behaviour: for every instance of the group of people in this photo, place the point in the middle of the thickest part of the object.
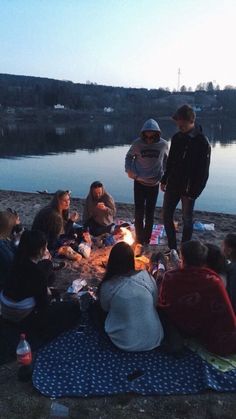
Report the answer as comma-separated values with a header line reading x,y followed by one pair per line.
x,y
182,174
138,310
27,271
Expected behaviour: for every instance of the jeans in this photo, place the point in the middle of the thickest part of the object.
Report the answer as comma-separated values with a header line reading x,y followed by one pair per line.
x,y
171,200
145,198
96,229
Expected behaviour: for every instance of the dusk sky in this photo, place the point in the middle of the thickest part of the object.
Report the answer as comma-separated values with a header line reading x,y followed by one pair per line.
x,y
132,43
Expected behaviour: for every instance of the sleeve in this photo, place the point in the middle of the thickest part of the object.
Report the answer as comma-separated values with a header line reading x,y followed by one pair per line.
x,y
110,203
165,158
55,228
169,160
200,176
129,160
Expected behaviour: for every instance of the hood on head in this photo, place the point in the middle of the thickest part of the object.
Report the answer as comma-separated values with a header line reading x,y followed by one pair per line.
x,y
150,125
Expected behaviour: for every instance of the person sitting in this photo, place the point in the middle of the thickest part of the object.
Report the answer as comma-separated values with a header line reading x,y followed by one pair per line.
x,y
196,302
129,297
7,246
216,261
229,250
55,220
99,210
25,297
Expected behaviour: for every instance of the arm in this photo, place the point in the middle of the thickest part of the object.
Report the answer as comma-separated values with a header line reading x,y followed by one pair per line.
x,y
168,163
110,204
201,174
129,162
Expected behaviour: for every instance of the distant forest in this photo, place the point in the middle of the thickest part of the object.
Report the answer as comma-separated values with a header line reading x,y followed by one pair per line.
x,y
25,94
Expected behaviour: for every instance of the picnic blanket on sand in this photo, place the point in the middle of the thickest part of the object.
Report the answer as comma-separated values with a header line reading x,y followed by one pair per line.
x,y
84,363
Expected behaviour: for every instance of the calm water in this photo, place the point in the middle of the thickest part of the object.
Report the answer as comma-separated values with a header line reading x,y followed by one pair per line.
x,y
71,157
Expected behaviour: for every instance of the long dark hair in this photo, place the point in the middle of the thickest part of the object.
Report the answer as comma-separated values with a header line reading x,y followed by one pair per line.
x,y
31,242
120,262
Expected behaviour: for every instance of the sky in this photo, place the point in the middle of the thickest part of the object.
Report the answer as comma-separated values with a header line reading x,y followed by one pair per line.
x,y
130,43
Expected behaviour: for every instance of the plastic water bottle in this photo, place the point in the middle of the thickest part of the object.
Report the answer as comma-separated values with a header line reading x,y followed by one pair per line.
x,y
24,359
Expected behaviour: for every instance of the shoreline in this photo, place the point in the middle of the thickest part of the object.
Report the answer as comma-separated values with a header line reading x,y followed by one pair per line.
x,y
27,204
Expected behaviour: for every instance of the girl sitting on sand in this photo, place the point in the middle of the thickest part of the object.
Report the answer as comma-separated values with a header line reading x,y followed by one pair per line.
x,y
129,297
25,299
55,220
229,249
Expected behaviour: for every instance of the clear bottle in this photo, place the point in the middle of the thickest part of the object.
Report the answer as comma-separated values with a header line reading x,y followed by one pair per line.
x,y
24,359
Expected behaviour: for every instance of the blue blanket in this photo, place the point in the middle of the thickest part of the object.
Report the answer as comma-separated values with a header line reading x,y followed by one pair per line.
x,y
84,363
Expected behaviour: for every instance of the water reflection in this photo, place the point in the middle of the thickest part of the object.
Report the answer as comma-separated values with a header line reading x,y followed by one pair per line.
x,y
21,139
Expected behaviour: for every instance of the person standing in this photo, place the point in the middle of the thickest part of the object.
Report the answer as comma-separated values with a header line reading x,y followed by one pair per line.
x,y
186,174
145,162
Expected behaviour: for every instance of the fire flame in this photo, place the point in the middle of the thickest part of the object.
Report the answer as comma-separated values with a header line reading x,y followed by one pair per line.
x,y
127,236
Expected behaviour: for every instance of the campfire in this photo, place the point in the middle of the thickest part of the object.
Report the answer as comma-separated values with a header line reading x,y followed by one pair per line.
x,y
127,236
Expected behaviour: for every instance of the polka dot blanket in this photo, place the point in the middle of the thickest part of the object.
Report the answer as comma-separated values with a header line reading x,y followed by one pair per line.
x,y
85,363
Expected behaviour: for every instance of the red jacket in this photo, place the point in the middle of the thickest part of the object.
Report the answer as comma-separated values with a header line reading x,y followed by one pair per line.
x,y
196,301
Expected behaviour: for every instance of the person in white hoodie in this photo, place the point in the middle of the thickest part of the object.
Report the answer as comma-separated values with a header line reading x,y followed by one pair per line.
x,y
145,163
129,297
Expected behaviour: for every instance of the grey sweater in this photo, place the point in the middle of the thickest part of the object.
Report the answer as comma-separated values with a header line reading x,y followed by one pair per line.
x,y
147,161
132,322
101,217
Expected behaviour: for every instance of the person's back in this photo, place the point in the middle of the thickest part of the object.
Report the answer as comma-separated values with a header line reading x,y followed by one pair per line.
x,y
196,301
132,322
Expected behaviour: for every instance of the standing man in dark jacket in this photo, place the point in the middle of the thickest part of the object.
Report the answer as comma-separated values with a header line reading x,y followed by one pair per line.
x,y
186,173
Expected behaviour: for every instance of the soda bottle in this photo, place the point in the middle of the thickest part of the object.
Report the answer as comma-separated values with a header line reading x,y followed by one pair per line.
x,y
24,359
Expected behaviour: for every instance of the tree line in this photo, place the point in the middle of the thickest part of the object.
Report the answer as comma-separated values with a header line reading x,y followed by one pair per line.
x,y
43,93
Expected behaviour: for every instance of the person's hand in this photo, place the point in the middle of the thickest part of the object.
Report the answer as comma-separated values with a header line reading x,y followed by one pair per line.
x,y
163,187
101,205
47,255
130,174
74,216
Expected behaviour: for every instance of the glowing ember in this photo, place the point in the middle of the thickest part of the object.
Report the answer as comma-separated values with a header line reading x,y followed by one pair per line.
x,y
127,236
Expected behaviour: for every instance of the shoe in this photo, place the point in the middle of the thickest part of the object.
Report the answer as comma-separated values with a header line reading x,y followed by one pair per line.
x,y
159,258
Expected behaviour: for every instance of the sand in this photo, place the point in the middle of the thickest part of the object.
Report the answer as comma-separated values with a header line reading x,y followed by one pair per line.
x,y
20,400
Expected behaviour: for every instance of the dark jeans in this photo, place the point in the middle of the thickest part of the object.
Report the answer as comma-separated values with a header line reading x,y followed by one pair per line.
x,y
171,200
145,198
96,229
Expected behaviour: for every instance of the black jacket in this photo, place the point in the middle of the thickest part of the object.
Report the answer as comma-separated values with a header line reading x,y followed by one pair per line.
x,y
187,167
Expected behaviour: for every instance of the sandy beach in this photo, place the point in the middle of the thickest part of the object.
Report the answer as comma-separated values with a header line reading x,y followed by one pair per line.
x,y
28,204
28,403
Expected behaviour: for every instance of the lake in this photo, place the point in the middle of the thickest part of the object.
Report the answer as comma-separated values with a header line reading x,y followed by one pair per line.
x,y
66,156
